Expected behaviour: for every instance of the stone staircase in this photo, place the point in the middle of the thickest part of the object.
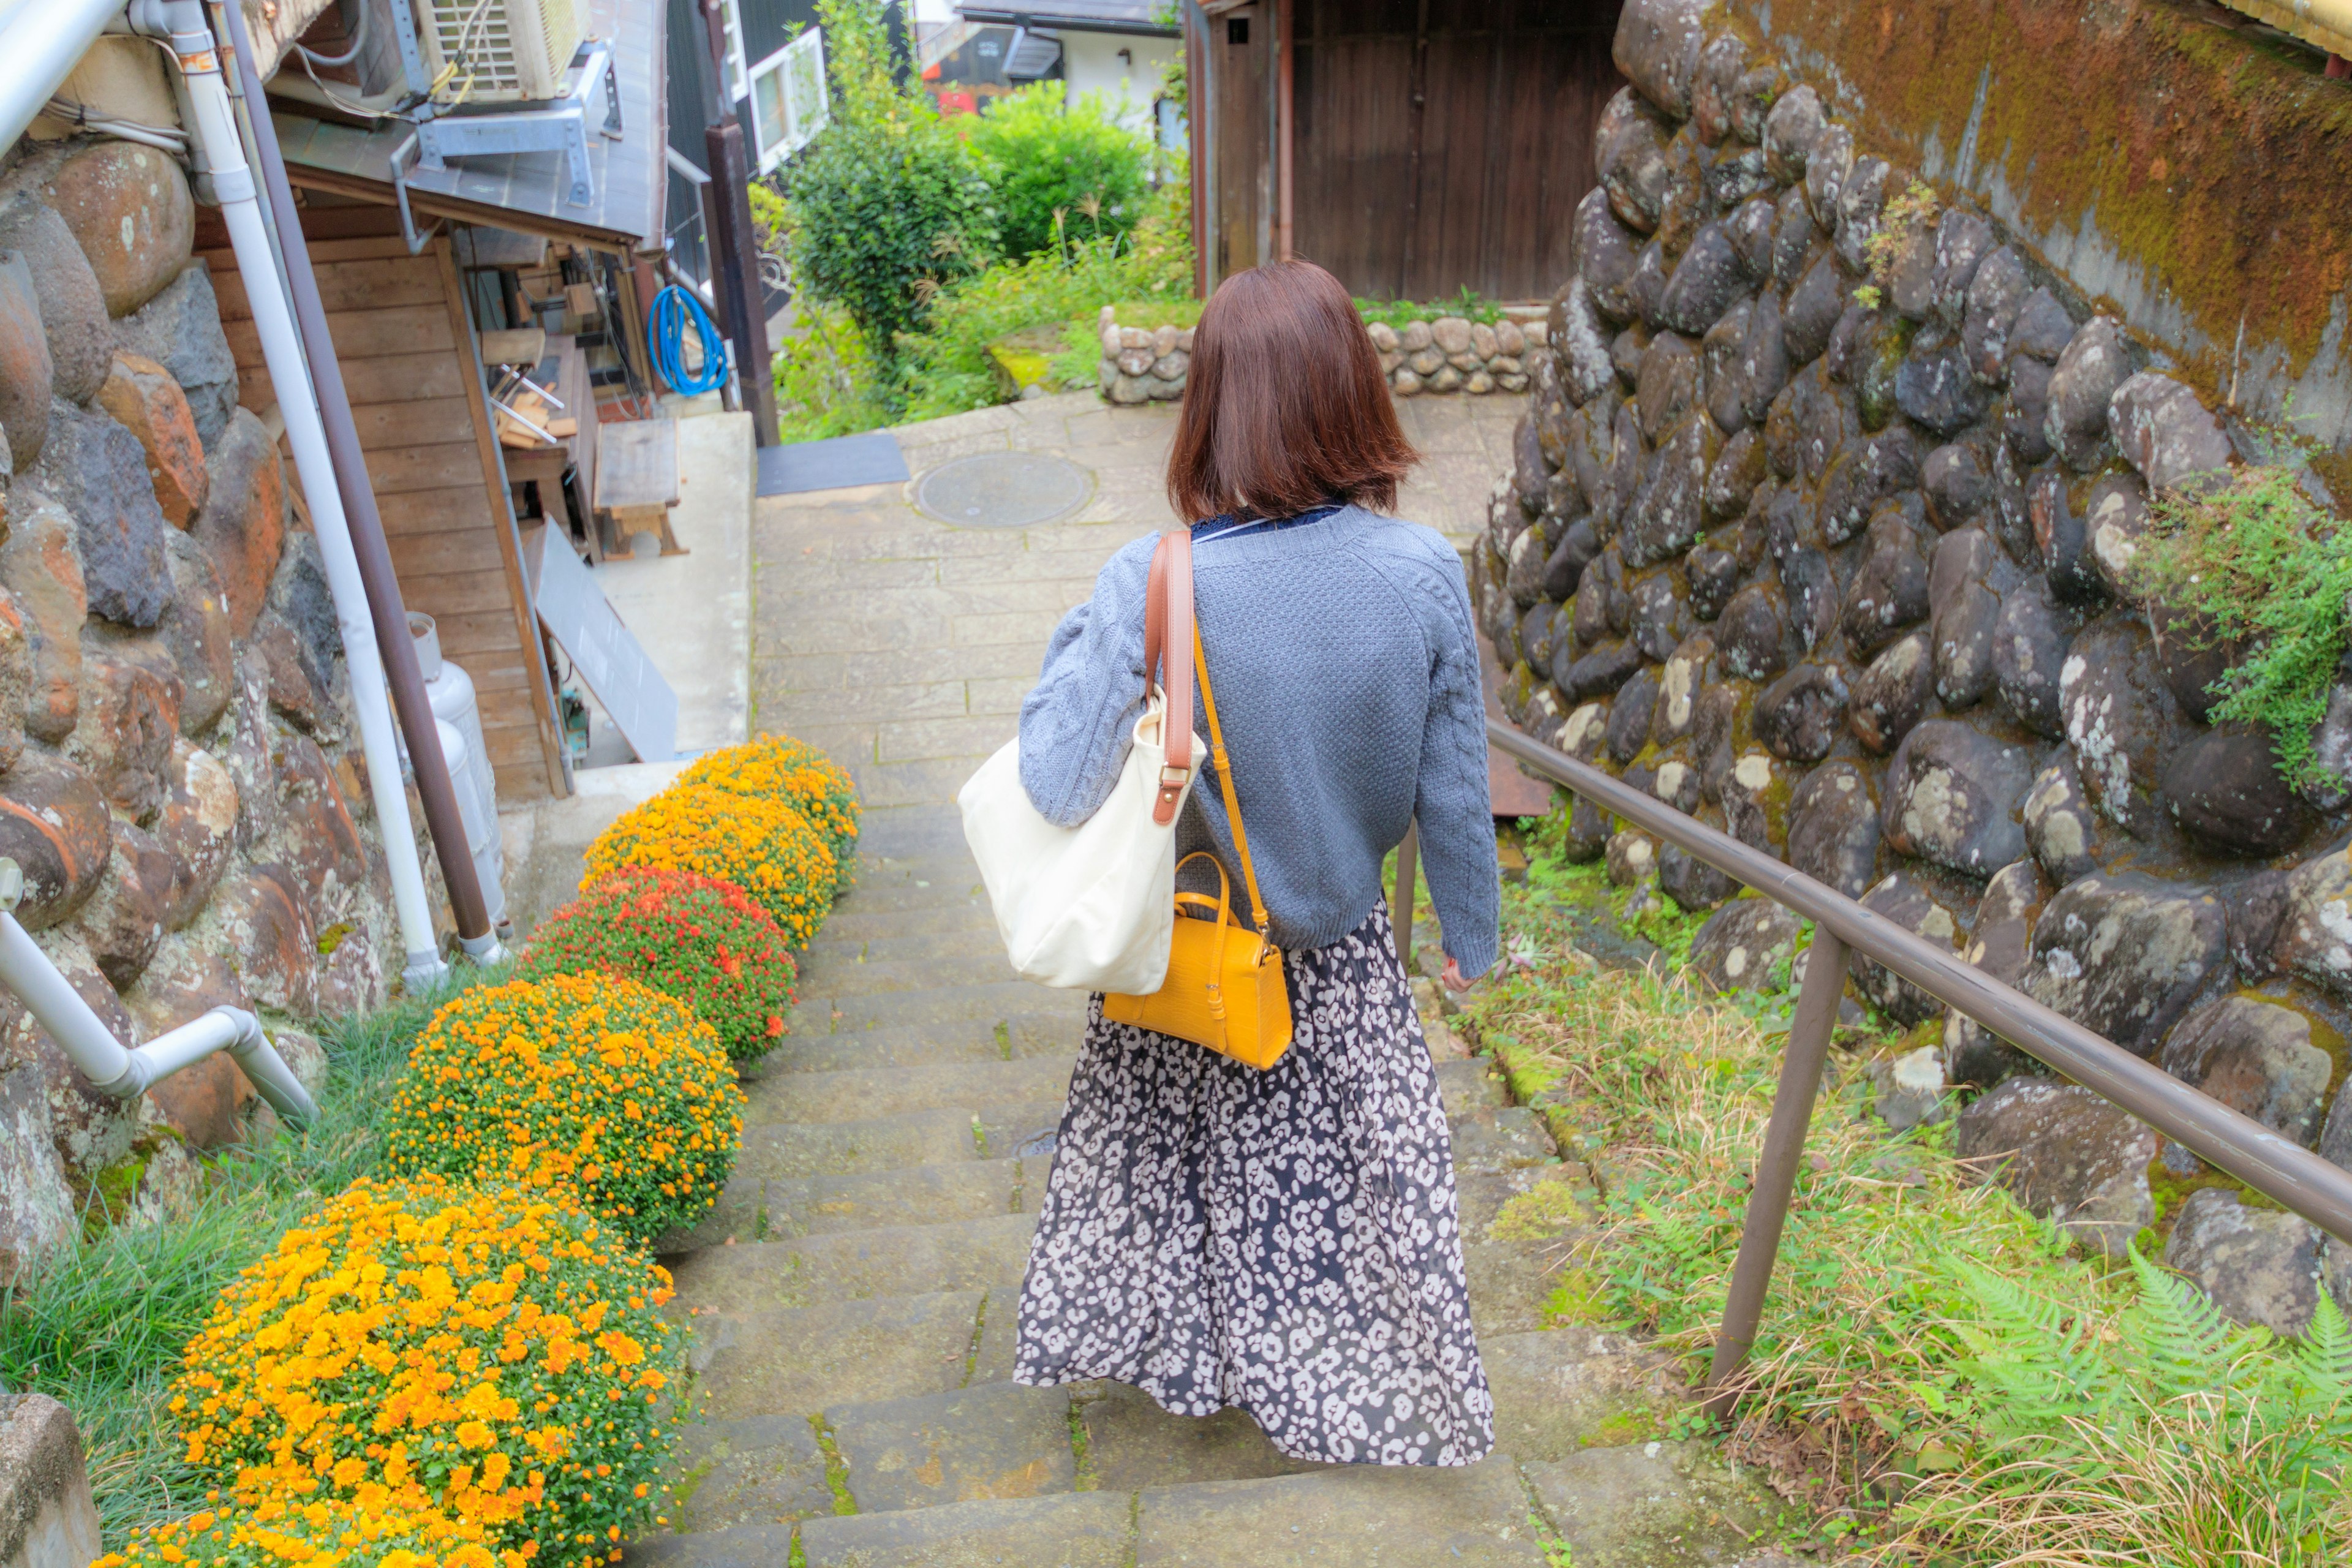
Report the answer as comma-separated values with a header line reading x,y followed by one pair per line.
x,y
852,1306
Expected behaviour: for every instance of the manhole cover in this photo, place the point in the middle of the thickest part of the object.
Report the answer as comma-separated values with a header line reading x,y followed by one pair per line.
x,y
1003,490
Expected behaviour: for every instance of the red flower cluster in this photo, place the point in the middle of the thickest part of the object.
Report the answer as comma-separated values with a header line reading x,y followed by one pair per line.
x,y
694,937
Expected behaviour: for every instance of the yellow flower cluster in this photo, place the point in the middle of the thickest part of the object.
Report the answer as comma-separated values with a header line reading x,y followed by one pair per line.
x,y
587,1083
494,1355
313,1533
765,846
781,768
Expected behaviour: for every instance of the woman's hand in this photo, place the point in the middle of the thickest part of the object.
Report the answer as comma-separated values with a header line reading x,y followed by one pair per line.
x,y
1452,979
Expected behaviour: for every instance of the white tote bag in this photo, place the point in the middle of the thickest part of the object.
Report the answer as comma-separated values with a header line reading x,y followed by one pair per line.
x,y
1092,907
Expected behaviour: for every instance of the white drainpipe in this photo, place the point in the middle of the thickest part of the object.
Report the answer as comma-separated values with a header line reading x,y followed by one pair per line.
x,y
181,24
124,1073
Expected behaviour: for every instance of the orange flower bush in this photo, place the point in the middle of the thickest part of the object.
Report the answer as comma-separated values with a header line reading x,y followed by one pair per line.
x,y
335,1533
699,940
493,1353
587,1082
762,845
781,768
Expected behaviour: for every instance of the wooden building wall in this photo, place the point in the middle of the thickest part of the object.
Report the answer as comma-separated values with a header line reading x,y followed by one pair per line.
x,y
1436,144
409,364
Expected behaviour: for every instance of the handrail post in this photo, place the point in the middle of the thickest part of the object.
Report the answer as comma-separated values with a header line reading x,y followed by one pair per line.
x,y
1776,1162
1401,906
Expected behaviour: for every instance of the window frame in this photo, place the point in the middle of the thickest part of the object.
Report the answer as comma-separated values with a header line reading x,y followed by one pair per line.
x,y
797,133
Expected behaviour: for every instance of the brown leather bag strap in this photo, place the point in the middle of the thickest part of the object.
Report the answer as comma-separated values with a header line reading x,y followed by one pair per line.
x,y
1225,783
1168,623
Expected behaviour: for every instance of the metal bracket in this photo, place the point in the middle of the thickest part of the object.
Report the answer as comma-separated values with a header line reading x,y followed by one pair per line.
x,y
558,126
412,61
402,163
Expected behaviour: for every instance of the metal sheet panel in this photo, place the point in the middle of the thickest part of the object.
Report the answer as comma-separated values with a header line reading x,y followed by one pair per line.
x,y
615,669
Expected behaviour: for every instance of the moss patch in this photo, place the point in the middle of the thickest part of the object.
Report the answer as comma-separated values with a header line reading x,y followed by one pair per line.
x,y
2213,165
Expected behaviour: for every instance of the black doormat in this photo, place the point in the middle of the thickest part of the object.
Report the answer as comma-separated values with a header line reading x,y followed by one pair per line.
x,y
873,459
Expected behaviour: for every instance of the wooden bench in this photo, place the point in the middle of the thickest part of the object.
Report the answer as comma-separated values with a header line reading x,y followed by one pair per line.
x,y
637,481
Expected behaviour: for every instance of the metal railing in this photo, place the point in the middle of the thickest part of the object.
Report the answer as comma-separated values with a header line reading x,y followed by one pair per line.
x,y
2293,1176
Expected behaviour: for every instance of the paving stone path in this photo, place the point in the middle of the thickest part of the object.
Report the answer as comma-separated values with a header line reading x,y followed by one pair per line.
x,y
852,1302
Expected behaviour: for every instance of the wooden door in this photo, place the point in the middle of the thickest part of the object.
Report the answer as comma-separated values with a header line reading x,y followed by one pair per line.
x,y
1444,143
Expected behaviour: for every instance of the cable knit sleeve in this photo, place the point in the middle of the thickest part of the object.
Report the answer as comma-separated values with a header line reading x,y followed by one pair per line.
x,y
1451,804
1077,722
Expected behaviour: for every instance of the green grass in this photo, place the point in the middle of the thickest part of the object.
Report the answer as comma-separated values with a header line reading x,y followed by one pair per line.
x,y
1939,1377
100,1328
2269,570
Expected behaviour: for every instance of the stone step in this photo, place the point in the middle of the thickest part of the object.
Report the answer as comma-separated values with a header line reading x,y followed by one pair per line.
x,y
1071,1529
1558,1396
894,1143
864,1094
927,1194
849,924
964,939
1658,1505
1345,1517
954,1004
991,1441
892,1260
922,1045
798,1359
867,1091
840,976
1501,1138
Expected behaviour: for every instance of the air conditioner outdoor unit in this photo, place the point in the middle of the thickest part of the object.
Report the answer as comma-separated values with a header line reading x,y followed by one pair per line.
x,y
498,51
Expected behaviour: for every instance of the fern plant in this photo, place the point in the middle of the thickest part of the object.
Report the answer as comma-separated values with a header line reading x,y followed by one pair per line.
x,y
2161,1434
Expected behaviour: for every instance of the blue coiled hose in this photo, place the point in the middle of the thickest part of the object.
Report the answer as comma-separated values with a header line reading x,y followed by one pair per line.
x,y
672,308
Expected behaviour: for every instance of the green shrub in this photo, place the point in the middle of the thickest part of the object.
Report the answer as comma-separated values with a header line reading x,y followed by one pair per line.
x,y
1060,173
888,206
1469,304
828,382
591,1085
495,1354
697,939
101,1324
2267,569
1151,268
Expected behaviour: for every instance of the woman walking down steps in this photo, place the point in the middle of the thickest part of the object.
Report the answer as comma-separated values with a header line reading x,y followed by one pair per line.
x,y
1286,1241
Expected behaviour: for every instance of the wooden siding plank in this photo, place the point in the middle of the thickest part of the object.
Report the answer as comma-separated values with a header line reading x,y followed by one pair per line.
x,y
436,419
396,470
433,512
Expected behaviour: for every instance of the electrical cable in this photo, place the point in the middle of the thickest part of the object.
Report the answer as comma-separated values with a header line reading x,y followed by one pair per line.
x,y
311,56
672,308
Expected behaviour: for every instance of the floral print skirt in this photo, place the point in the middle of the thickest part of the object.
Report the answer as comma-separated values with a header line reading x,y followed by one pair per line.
x,y
1286,1241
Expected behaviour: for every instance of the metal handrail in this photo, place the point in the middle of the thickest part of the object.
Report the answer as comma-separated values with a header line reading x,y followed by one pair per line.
x,y
2293,1176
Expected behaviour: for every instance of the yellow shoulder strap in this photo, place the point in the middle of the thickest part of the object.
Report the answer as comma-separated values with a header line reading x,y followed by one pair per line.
x,y
1225,782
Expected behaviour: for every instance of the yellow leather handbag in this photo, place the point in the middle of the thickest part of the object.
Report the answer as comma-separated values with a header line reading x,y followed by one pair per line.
x,y
1226,987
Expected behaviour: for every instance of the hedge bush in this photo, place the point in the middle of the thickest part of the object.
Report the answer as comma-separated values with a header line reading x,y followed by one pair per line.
x,y
765,846
494,1353
694,937
888,204
781,768
1047,157
329,1534
593,1083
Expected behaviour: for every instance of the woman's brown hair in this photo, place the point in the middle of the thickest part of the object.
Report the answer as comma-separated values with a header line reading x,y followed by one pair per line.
x,y
1284,405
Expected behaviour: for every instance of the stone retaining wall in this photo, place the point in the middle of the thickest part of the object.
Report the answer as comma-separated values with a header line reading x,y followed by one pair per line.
x,y
1818,529
1445,354
180,774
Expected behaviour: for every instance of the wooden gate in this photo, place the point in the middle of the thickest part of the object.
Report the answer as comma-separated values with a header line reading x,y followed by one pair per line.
x,y
1434,144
